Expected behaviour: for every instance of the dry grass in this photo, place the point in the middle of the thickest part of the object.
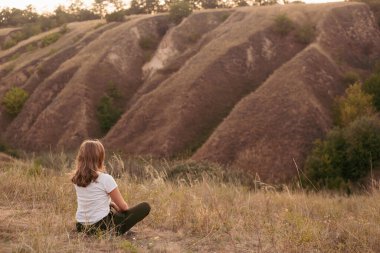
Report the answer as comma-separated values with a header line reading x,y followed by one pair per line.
x,y
38,207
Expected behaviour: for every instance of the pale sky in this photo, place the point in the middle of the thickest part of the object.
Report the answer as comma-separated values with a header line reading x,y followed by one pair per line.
x,y
50,5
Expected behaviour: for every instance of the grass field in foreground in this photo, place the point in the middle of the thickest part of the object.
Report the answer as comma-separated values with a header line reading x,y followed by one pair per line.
x,y
38,204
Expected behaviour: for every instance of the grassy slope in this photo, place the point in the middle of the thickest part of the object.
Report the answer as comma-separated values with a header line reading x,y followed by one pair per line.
x,y
37,209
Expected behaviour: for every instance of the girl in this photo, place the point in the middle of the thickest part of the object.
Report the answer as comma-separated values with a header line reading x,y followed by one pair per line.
x,y
95,190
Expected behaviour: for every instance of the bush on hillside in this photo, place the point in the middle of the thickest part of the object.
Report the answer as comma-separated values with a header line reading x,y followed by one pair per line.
x,y
5,148
50,39
179,10
148,43
355,103
305,33
117,16
372,87
346,155
13,100
283,25
108,111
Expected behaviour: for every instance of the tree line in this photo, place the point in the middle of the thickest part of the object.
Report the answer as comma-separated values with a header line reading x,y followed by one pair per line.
x,y
77,11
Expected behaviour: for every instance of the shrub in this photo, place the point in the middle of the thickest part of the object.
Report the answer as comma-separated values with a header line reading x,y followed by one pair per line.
x,y
327,160
179,10
283,25
117,16
14,100
305,34
50,39
346,155
108,112
225,16
147,43
5,148
353,104
372,86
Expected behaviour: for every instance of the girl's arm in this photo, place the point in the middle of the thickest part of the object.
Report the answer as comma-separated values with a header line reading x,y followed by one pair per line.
x,y
118,200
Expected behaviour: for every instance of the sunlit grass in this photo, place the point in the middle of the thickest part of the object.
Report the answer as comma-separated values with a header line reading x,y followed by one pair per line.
x,y
38,206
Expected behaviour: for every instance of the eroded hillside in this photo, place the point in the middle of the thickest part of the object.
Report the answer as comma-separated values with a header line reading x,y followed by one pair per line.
x,y
225,86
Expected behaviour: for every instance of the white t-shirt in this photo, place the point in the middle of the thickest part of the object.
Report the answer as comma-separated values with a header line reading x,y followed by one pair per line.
x,y
93,200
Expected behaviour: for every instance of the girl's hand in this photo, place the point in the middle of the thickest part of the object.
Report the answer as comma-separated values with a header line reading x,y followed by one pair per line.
x,y
114,206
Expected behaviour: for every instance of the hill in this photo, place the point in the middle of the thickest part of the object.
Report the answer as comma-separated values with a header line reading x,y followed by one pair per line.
x,y
246,87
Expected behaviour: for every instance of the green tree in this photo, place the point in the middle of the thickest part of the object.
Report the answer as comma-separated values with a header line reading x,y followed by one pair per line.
x,y
144,6
137,7
117,16
372,87
179,10
209,4
355,103
283,25
13,100
346,155
108,110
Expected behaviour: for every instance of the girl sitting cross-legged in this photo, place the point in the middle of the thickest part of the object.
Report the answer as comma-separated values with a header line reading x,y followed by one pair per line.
x,y
95,189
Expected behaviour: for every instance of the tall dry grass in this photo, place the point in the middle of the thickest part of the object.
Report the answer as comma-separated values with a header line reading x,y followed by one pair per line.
x,y
195,214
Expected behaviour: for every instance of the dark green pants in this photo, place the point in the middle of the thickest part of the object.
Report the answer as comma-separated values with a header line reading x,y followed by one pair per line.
x,y
118,222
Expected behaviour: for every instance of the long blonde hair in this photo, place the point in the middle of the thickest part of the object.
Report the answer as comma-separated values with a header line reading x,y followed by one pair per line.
x,y
89,161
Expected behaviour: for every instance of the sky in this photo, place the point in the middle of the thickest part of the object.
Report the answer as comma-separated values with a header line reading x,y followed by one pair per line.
x,y
50,5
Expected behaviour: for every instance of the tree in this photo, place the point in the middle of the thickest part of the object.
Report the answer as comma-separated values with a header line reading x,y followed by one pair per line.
x,y
99,8
118,4
62,15
372,86
346,155
179,10
144,6
354,104
241,3
209,4
151,6
76,6
137,7
30,13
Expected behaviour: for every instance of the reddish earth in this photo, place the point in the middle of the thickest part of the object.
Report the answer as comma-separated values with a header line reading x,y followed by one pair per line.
x,y
222,86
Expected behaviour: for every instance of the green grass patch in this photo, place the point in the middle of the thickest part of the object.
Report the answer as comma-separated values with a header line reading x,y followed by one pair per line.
x,y
50,39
